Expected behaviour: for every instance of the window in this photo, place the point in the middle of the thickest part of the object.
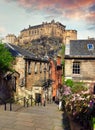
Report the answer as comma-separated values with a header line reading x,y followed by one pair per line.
x,y
40,67
29,67
90,46
48,67
35,69
76,67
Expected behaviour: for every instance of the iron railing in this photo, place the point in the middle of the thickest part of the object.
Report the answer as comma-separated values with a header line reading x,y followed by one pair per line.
x,y
26,102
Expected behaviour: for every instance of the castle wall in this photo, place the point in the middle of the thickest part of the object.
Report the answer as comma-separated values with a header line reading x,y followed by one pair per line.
x,y
53,29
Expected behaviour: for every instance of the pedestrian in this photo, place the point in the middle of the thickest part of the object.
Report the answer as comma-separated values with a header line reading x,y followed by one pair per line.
x,y
43,102
39,100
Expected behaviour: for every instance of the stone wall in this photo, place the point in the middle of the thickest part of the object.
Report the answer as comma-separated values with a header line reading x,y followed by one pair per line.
x,y
31,76
87,70
10,38
52,29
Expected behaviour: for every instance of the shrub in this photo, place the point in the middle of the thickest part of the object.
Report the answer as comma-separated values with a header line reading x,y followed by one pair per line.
x,y
69,82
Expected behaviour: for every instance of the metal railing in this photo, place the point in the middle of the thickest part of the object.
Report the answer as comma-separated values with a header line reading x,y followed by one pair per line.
x,y
5,102
26,102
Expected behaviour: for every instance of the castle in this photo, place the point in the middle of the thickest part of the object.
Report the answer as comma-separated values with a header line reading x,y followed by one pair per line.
x,y
52,29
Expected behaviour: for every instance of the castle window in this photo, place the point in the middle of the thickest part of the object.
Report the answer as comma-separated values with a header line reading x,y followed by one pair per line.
x,y
38,32
32,32
76,67
35,31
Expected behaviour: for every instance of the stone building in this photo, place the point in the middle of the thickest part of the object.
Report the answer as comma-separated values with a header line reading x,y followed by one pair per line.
x,y
56,77
33,72
10,38
52,29
80,61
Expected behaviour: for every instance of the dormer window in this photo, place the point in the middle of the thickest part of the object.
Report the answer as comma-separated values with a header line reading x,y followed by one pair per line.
x,y
90,46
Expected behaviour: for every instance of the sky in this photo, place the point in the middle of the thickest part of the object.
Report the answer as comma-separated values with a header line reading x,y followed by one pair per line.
x,y
15,15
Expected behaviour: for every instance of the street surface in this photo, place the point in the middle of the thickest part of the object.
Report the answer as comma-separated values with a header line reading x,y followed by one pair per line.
x,y
34,118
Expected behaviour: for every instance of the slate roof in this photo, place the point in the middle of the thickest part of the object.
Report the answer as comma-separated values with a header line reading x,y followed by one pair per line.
x,y
79,48
17,51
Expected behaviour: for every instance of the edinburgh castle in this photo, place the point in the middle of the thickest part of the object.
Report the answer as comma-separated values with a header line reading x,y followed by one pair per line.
x,y
52,29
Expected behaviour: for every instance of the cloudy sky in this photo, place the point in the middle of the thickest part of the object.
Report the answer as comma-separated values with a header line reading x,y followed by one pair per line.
x,y
15,15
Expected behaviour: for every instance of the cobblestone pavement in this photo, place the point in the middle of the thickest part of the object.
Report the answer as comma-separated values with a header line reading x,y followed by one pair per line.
x,y
35,118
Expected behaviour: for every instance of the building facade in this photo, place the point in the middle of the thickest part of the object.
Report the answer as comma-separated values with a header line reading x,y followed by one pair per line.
x,y
52,29
56,77
10,38
80,61
33,73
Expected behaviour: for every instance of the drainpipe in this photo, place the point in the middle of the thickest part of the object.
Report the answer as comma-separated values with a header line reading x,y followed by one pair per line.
x,y
25,72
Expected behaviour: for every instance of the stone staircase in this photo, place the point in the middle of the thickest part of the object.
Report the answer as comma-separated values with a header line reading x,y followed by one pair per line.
x,y
32,118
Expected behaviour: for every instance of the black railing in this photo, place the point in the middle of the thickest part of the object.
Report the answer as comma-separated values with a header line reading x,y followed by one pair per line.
x,y
5,102
26,102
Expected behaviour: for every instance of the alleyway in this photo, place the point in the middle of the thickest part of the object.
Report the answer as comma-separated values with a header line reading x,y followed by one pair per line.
x,y
34,118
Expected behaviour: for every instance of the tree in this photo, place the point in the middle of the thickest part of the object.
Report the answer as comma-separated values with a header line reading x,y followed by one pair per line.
x,y
5,59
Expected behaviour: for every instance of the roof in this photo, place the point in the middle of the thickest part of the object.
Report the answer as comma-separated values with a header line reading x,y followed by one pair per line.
x,y
42,25
80,48
17,51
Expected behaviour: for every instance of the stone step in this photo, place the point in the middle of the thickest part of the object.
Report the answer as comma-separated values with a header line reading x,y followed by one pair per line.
x,y
15,121
13,107
32,118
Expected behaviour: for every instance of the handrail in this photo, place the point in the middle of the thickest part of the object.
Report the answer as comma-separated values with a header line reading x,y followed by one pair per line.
x,y
27,100
24,99
5,103
10,101
30,98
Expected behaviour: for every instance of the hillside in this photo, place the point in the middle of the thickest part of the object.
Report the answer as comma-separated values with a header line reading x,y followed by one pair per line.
x,y
44,46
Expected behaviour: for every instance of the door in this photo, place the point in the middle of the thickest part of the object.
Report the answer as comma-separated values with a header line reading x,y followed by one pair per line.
x,y
38,97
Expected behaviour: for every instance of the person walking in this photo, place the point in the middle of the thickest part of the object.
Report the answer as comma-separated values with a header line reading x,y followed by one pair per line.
x,y
43,102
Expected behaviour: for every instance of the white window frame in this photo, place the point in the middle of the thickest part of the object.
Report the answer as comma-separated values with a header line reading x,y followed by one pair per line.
x,y
76,68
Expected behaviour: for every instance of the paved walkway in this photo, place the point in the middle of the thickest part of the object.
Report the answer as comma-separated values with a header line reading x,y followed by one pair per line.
x,y
35,118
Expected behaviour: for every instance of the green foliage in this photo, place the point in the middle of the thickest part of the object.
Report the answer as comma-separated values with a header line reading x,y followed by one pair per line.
x,y
78,87
63,49
69,82
5,59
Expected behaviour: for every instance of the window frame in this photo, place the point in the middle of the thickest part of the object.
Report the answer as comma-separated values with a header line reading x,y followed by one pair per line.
x,y
36,68
76,67
29,67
